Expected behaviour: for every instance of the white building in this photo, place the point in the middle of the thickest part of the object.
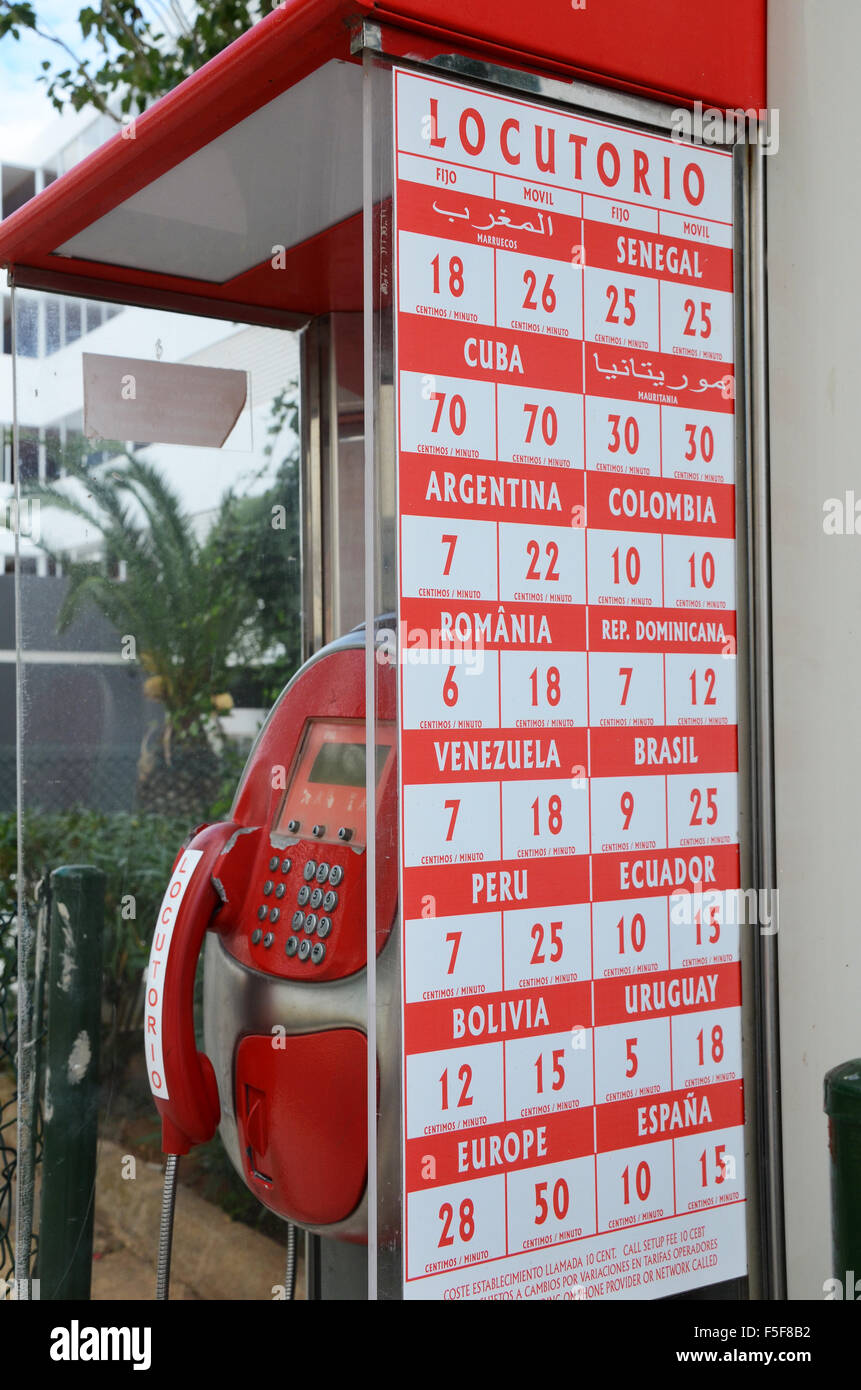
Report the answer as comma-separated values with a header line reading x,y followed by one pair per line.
x,y
53,332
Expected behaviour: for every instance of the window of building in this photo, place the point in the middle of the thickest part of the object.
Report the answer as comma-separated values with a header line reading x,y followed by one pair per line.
x,y
18,186
53,454
28,455
75,447
27,327
52,326
73,321
27,564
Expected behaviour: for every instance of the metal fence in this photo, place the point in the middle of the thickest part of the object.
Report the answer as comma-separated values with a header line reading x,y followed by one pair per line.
x,y
60,778
8,1104
9,1081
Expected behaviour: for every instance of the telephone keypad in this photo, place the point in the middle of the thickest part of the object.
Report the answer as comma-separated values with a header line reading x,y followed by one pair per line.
x,y
311,918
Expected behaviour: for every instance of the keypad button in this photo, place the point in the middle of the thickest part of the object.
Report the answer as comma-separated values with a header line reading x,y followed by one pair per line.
x,y
262,911
311,923
309,870
303,895
298,919
286,865
304,948
268,939
280,890
345,833
319,831
324,926
267,887
330,902
293,827
291,945
316,897
274,914
336,873
322,873
318,953
273,863
255,936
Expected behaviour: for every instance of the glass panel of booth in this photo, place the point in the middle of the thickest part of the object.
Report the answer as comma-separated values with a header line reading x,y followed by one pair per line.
x,y
383,657
155,495
332,476
550,337
518,469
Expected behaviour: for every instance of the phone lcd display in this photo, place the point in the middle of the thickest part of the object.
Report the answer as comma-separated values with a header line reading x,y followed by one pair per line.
x,y
326,792
343,764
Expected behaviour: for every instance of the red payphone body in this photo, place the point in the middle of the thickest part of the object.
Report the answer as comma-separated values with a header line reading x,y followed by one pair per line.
x,y
279,893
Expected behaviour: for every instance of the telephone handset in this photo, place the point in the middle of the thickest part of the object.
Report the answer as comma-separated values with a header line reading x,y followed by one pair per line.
x,y
278,895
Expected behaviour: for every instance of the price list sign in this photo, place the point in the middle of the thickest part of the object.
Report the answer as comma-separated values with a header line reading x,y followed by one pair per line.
x,y
572,1075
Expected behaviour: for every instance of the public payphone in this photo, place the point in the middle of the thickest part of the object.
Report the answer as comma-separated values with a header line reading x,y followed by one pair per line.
x,y
281,889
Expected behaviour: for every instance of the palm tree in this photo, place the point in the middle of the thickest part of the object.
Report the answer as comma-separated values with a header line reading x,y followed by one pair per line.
x,y
183,613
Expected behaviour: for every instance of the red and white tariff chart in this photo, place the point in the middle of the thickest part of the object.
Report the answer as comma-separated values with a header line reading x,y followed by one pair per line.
x,y
572,1075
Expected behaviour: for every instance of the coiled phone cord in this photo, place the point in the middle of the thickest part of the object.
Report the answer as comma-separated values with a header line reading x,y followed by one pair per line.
x,y
165,1234
165,1238
290,1274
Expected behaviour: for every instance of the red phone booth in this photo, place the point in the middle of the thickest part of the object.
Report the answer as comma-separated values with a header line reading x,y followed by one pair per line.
x,y
524,253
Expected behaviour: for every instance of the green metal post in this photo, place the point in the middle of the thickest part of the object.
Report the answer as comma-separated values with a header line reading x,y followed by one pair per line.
x,y
71,1082
843,1108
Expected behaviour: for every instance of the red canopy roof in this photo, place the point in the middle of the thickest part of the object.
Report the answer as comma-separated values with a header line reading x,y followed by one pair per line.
x,y
130,230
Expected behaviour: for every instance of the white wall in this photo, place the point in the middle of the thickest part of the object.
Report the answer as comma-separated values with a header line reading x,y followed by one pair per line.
x,y
814,210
